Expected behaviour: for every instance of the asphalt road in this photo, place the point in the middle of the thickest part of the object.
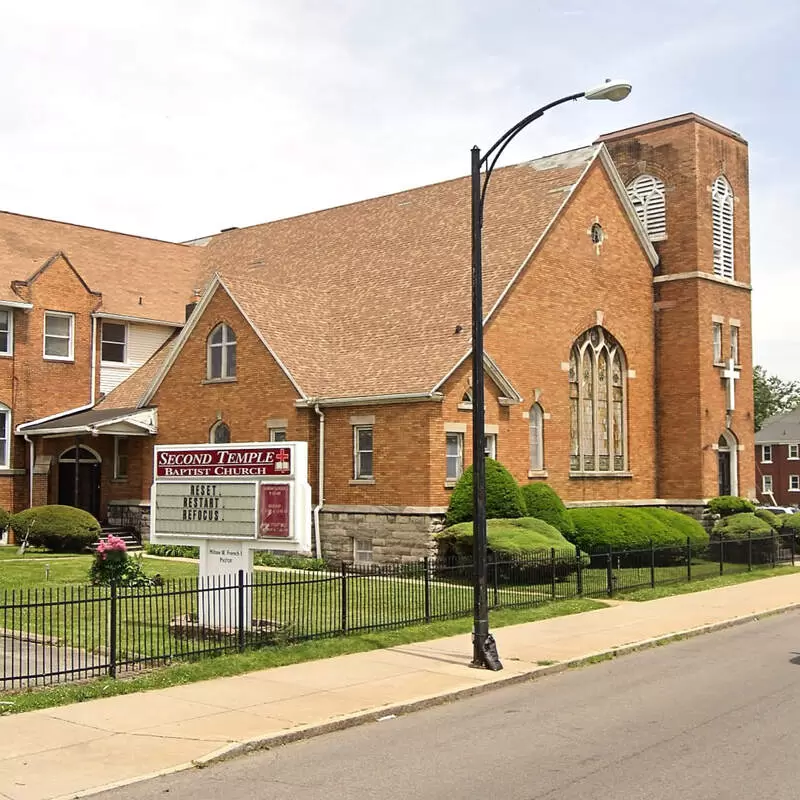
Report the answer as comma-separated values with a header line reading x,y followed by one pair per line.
x,y
712,717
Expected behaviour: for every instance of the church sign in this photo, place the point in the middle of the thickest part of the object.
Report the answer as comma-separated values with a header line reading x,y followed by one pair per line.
x,y
219,462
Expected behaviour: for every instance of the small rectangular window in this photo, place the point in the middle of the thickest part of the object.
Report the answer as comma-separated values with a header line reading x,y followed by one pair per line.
x,y
766,484
717,331
794,452
362,551
113,342
735,344
362,452
455,456
277,434
58,336
766,453
491,446
6,331
794,483
5,437
120,457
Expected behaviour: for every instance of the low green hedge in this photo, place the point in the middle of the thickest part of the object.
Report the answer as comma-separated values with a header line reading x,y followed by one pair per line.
x,y
5,519
61,529
542,502
727,505
172,550
790,523
503,496
740,526
773,520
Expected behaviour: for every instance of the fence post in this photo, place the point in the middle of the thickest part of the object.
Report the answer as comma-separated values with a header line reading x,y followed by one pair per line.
x,y
652,565
552,573
609,572
240,592
427,567
495,580
688,559
772,549
794,542
112,643
721,553
579,570
749,551
344,597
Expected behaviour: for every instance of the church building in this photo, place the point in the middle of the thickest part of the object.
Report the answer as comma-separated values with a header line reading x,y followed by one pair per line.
x,y
618,342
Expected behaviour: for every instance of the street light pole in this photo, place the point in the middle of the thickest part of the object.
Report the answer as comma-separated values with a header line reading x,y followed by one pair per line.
x,y
483,651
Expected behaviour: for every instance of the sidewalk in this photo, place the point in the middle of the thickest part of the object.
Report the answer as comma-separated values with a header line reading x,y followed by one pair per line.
x,y
83,748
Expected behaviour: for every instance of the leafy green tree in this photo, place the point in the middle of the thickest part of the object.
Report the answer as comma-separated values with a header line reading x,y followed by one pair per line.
x,y
771,395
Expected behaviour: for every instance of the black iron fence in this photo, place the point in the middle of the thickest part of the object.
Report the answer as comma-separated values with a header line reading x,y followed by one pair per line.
x,y
72,633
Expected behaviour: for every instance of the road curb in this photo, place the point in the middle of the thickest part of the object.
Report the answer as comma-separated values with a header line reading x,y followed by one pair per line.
x,y
375,714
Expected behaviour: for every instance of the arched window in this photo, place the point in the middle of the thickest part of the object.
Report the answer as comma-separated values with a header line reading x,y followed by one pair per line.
x,y
5,436
536,432
220,433
221,357
722,223
647,195
598,412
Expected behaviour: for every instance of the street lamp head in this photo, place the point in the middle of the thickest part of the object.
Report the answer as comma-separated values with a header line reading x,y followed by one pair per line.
x,y
610,90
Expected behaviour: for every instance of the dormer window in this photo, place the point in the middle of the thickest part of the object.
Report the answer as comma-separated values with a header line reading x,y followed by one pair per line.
x,y
646,193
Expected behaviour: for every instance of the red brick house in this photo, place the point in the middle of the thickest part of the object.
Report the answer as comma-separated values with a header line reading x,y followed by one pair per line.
x,y
618,341
778,460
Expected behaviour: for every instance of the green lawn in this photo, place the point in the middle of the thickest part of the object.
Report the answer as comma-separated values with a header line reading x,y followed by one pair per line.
x,y
11,551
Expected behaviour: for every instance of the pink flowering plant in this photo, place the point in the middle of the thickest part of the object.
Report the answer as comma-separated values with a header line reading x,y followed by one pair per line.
x,y
114,564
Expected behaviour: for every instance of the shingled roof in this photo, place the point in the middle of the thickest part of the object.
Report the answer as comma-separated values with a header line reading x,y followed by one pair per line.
x,y
121,268
365,299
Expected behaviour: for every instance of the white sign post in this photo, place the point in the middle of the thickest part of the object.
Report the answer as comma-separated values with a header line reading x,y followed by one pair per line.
x,y
230,500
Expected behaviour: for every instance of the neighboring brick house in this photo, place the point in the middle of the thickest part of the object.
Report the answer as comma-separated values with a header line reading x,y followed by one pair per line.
x,y
618,341
778,460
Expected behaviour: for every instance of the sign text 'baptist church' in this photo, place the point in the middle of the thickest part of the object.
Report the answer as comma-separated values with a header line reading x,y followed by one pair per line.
x,y
219,463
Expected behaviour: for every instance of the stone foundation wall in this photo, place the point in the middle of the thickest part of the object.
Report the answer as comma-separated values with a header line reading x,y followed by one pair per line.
x,y
392,535
133,515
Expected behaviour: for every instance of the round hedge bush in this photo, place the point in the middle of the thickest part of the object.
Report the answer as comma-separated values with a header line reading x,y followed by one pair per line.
x,y
790,523
503,496
727,505
773,520
740,526
62,529
542,502
5,519
632,528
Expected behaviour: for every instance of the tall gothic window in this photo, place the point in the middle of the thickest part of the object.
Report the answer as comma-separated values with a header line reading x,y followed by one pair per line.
x,y
647,195
722,224
536,431
220,433
221,353
598,412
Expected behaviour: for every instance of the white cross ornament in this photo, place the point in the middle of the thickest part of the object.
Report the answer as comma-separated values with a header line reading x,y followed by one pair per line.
x,y
731,375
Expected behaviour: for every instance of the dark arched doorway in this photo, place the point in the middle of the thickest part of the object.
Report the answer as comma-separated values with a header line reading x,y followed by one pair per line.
x,y
79,479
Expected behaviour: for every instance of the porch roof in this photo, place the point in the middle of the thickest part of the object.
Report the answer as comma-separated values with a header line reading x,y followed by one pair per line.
x,y
106,421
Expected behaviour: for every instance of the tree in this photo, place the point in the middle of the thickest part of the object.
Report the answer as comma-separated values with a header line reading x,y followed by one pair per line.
x,y
772,396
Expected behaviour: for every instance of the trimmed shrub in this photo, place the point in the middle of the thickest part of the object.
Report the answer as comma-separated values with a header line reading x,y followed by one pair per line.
x,y
503,496
740,526
683,524
735,531
264,558
5,519
61,529
172,550
542,502
773,520
790,523
727,505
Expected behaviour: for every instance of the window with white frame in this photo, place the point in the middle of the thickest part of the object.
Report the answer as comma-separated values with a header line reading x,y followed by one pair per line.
x,y
766,453
455,455
722,225
735,344
766,484
59,334
598,413
362,551
277,434
221,355
491,446
794,483
220,433
536,436
716,330
5,436
362,452
794,452
647,195
120,457
6,331
114,342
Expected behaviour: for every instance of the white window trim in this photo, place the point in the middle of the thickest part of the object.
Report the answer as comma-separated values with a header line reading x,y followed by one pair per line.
x,y
536,413
273,432
63,315
5,446
212,432
491,451
124,362
791,457
357,476
117,475
360,550
764,488
717,355
223,346
10,351
451,481
764,459
796,487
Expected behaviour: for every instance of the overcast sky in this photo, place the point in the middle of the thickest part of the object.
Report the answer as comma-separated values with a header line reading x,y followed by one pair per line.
x,y
175,118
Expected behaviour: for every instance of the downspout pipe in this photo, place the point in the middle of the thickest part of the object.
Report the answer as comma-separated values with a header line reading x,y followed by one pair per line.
x,y
31,457
320,480
93,392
